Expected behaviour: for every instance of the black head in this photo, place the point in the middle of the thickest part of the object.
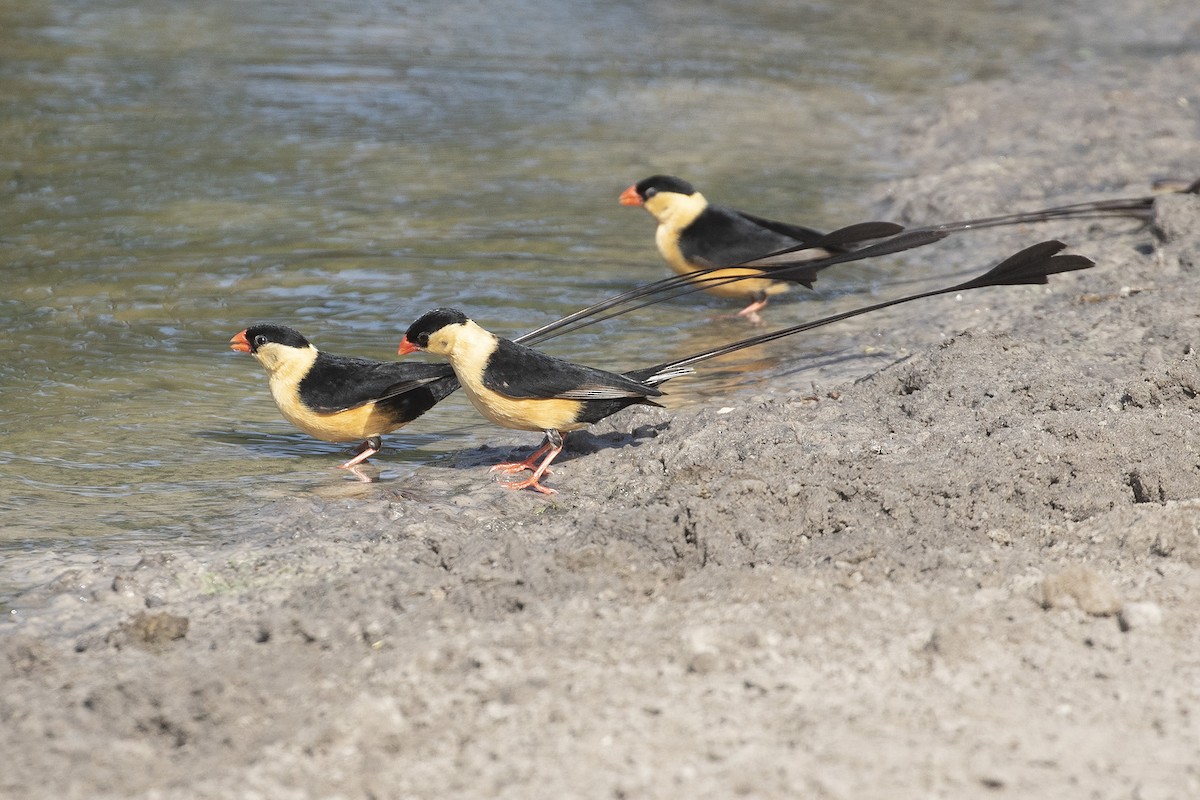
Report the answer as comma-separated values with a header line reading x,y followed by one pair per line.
x,y
259,335
431,322
648,187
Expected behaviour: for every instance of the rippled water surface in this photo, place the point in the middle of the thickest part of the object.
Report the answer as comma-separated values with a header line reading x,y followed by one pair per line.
x,y
172,172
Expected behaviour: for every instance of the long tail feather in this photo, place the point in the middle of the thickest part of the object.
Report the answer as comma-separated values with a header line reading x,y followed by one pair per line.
x,y
1033,265
781,266
682,285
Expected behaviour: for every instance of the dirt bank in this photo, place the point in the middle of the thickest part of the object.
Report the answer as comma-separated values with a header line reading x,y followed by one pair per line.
x,y
974,571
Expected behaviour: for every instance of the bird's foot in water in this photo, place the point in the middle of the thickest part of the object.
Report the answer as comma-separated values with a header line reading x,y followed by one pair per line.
x,y
361,453
356,471
754,319
750,312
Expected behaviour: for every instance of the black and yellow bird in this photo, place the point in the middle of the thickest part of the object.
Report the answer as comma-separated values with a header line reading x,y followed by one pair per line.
x,y
695,235
517,387
342,398
700,240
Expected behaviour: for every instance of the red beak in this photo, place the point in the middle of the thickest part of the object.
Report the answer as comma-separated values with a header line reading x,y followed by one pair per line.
x,y
240,343
630,197
407,347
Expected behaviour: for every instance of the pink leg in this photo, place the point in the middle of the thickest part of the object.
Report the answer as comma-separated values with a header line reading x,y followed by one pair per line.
x,y
554,444
750,312
529,463
365,450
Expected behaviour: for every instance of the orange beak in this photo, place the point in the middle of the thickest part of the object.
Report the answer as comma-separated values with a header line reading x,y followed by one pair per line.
x,y
630,197
407,347
240,343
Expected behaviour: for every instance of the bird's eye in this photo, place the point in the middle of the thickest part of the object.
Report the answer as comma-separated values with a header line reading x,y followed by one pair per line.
x,y
260,340
423,339
650,192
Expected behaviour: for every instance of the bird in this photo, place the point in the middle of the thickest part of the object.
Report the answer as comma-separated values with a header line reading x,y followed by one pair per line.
x,y
518,387
342,398
700,240
515,386
695,235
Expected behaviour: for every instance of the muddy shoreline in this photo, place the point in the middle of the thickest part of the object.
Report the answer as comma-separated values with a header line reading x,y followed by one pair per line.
x,y
974,571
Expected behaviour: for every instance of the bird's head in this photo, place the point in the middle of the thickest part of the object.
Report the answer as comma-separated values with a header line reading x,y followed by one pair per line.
x,y
645,189
659,194
273,345
434,332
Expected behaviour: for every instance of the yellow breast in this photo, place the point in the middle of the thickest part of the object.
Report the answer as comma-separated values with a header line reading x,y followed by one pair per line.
x,y
666,237
468,348
286,367
353,425
523,414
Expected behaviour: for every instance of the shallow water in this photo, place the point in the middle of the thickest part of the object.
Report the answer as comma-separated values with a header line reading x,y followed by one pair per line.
x,y
174,172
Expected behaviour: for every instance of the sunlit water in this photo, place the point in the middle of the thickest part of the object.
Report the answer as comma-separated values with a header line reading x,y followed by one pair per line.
x,y
172,172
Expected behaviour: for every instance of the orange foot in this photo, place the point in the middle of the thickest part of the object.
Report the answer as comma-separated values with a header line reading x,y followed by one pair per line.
x,y
365,450
552,447
528,464
357,472
750,312
530,483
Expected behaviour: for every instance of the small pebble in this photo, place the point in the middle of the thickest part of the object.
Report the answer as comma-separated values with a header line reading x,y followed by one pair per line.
x,y
149,630
1139,615
704,663
1083,587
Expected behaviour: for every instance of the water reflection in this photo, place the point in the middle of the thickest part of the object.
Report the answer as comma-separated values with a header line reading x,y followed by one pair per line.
x,y
175,172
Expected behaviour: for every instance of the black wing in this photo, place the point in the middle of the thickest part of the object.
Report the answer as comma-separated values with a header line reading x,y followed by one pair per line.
x,y
407,402
524,373
722,237
339,383
798,232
